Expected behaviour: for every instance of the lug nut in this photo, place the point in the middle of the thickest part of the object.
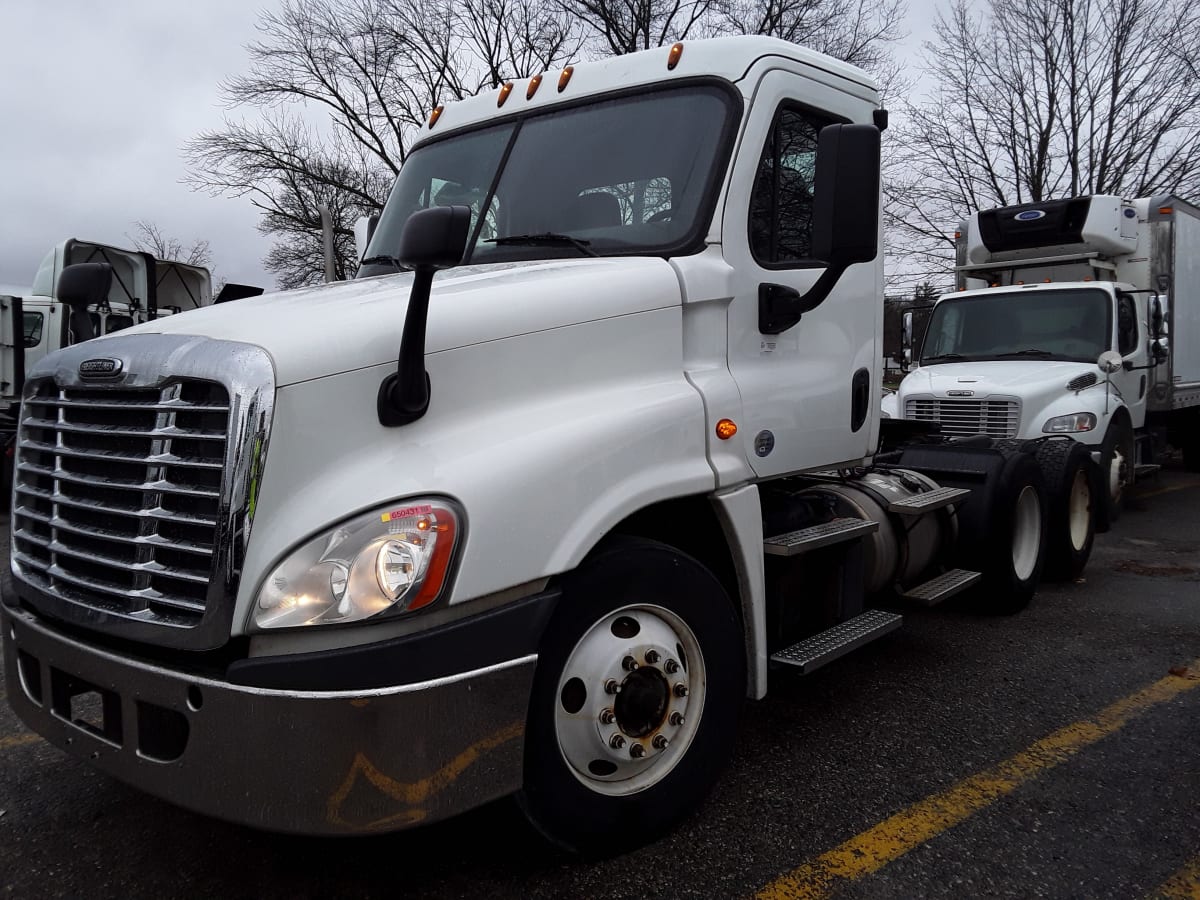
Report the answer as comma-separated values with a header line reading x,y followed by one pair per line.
x,y
629,664
681,690
637,751
607,717
676,719
672,667
611,686
616,742
652,657
659,742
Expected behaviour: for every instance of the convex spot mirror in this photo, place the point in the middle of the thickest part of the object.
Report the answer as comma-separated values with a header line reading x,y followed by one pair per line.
x,y
1110,361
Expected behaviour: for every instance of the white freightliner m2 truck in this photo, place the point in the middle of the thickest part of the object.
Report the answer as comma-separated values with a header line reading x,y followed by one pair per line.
x,y
1083,320
361,556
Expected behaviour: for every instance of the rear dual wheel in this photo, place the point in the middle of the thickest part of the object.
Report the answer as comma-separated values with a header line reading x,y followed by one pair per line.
x,y
635,701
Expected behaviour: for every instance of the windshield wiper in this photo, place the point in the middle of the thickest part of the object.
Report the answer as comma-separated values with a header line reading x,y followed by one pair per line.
x,y
383,260
548,238
1032,351
944,357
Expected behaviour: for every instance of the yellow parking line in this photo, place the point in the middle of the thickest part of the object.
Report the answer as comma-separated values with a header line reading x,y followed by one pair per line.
x,y
1183,885
18,740
1187,485
892,838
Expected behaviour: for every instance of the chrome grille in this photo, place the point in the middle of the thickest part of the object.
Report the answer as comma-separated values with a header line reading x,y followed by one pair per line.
x,y
118,493
962,418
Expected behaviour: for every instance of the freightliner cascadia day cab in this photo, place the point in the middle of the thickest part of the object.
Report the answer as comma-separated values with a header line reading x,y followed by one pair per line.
x,y
361,556
1083,320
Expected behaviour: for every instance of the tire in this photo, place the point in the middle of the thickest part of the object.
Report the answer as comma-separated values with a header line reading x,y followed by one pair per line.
x,y
1014,554
1073,484
645,618
1116,462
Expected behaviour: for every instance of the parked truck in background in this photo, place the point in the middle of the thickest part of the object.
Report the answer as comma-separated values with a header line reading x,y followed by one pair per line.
x,y
1082,319
358,557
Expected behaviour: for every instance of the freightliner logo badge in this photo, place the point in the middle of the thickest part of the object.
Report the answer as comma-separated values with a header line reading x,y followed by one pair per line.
x,y
101,367
960,393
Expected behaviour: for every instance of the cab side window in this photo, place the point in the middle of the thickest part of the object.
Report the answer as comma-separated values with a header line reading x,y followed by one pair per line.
x,y
1127,330
782,199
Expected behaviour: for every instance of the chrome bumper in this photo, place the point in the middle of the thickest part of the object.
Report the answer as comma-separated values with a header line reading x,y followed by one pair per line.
x,y
295,761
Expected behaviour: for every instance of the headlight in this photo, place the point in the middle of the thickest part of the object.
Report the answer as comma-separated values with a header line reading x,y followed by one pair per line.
x,y
1073,423
393,559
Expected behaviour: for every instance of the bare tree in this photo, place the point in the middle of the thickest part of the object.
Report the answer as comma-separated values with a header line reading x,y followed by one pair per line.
x,y
1043,99
149,238
626,26
339,89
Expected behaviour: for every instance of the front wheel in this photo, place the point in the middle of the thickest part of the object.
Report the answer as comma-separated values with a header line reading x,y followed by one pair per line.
x,y
1014,556
635,701
1116,466
1071,481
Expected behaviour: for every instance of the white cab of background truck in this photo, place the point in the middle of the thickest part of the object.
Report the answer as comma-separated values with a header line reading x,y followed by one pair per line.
x,y
357,557
1053,286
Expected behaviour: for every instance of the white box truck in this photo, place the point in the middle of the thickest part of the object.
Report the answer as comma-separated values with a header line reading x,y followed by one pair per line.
x,y
1083,319
360,556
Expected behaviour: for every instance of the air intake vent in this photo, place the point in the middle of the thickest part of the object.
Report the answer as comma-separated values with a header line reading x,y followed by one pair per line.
x,y
1086,380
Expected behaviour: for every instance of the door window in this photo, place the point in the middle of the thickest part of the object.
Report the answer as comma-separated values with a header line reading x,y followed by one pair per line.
x,y
33,322
1127,330
781,204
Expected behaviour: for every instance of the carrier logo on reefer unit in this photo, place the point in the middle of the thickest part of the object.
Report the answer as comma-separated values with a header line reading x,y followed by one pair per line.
x,y
101,367
1030,215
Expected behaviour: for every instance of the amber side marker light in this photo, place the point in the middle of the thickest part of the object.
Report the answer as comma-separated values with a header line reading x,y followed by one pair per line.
x,y
534,83
673,56
565,77
1166,210
726,429
435,115
504,92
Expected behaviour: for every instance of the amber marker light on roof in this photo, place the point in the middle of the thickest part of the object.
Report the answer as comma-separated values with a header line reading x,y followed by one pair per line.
x,y
673,56
726,429
504,92
565,77
1165,210
435,115
534,83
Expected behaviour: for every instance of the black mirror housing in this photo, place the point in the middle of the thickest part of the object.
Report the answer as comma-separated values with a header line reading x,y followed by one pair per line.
x,y
435,238
846,199
80,286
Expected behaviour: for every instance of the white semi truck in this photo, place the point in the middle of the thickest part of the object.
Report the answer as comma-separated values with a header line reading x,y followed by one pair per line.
x,y
1083,319
361,556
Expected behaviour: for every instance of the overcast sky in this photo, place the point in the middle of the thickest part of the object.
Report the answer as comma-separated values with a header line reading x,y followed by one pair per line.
x,y
96,103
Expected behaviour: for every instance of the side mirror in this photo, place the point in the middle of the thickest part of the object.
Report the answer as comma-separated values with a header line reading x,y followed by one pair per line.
x,y
846,196
1110,361
364,230
80,286
906,339
432,239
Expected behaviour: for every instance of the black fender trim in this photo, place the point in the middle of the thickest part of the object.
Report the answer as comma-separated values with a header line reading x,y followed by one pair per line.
x,y
496,636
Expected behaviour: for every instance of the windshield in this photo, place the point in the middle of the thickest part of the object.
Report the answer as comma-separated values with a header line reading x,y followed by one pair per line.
x,y
1042,324
629,175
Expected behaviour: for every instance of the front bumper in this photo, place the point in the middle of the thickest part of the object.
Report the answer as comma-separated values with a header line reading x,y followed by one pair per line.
x,y
310,762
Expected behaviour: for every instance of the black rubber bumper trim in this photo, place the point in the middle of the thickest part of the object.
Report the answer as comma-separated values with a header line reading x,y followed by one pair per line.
x,y
496,636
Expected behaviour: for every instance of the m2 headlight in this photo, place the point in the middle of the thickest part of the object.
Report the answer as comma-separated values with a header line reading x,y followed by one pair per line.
x,y
393,560
1072,424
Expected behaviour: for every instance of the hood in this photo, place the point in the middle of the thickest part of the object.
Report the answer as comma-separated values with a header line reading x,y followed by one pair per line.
x,y
1012,377
325,330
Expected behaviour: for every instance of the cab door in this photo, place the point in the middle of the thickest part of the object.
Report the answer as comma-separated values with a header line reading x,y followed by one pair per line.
x,y
1132,342
806,390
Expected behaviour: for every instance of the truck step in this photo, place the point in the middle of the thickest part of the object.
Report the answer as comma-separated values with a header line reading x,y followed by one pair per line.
x,y
826,646
816,536
927,502
942,587
1145,470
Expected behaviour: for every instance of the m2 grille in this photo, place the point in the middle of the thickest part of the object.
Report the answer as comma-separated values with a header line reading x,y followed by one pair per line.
x,y
963,418
117,496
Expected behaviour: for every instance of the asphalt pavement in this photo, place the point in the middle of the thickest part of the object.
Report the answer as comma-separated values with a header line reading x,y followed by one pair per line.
x,y
1053,753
